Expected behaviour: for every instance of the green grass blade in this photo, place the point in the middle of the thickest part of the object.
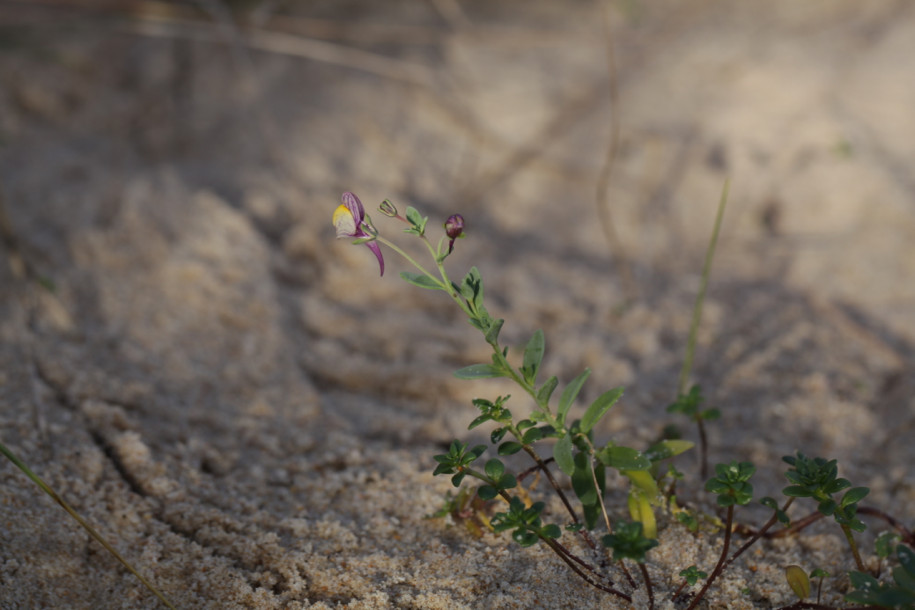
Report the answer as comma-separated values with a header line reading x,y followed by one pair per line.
x,y
45,488
700,298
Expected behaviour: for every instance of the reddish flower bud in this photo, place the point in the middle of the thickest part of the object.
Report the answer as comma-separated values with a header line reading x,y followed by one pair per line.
x,y
454,229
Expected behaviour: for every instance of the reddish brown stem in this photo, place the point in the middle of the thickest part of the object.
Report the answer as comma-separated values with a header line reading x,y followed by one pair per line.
x,y
647,580
724,554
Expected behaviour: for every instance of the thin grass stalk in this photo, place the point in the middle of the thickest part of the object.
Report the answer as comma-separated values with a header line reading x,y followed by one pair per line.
x,y
98,537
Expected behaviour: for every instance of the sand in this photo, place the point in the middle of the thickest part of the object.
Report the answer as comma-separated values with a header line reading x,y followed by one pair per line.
x,y
248,412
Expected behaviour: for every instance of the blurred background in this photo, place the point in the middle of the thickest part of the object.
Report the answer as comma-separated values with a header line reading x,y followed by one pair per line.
x,y
168,171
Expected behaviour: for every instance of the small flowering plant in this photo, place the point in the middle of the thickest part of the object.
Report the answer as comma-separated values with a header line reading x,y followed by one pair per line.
x,y
575,451
578,455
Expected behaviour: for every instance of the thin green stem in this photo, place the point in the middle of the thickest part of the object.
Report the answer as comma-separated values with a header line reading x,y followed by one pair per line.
x,y
409,258
700,298
60,501
543,407
854,548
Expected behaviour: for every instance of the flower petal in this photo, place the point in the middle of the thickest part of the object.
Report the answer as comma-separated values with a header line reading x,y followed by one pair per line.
x,y
344,222
374,247
355,207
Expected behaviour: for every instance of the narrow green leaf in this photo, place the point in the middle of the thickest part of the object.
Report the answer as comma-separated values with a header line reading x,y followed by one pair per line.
x,y
546,390
423,281
667,449
562,452
533,356
855,494
623,458
570,393
495,327
599,407
583,480
478,371
479,420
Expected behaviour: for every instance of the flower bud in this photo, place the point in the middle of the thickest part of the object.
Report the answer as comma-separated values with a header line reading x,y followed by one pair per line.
x,y
454,228
387,208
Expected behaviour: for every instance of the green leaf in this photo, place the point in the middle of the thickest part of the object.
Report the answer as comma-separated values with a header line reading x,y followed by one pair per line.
x,y
487,492
583,481
494,469
796,491
570,393
509,448
479,371
423,281
855,494
481,419
546,390
524,424
710,414
885,544
562,452
551,530
598,408
524,537
507,481
532,436
417,221
533,356
668,449
906,559
623,458
492,333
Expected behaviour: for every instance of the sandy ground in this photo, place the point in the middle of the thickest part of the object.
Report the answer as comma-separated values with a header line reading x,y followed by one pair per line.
x,y
249,413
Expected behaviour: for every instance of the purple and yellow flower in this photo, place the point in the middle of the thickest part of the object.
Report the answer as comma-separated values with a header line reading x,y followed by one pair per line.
x,y
349,221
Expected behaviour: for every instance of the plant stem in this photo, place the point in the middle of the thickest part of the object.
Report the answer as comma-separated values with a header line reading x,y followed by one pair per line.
x,y
700,297
703,447
854,548
540,463
907,535
532,392
409,258
570,559
757,535
575,563
694,324
721,560
647,580
60,501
